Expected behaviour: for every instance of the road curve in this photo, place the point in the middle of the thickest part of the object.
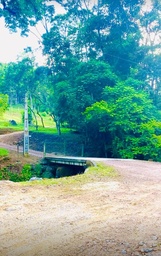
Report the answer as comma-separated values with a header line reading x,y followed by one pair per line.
x,y
136,169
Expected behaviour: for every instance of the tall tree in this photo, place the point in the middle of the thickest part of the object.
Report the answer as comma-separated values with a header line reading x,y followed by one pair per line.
x,y
3,103
124,118
23,14
150,21
83,86
18,79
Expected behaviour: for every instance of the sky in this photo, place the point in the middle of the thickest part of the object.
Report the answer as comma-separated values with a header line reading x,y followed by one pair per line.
x,y
12,45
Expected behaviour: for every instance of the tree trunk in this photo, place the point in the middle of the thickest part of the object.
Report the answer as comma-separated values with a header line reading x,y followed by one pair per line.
x,y
42,121
57,121
36,125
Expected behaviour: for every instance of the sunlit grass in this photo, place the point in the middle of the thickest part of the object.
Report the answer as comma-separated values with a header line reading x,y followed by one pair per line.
x,y
49,130
3,152
6,125
15,113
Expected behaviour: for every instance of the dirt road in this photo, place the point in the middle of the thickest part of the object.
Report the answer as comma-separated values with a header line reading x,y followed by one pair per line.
x,y
112,218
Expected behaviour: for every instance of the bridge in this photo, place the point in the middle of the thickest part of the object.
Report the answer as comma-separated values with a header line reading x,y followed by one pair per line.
x,y
67,161
56,167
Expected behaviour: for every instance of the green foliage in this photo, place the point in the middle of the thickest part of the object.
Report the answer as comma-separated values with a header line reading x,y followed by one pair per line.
x,y
129,119
4,174
103,76
133,106
3,152
22,14
36,170
94,173
3,103
18,79
93,76
24,175
26,172
83,86
148,146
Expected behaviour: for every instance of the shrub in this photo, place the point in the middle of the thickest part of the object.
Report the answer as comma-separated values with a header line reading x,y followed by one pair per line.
x,y
26,172
4,174
24,175
36,170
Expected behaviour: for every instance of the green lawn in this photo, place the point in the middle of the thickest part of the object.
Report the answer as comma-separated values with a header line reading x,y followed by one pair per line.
x,y
15,113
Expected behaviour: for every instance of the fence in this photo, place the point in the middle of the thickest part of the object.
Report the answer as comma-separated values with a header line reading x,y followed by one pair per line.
x,y
67,146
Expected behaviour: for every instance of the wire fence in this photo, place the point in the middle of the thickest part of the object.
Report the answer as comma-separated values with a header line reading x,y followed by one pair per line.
x,y
68,149
67,146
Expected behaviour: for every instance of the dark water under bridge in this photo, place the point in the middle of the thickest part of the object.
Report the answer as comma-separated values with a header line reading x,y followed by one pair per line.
x,y
56,167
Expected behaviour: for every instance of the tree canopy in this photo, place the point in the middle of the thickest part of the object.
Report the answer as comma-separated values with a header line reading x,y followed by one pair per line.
x,y
23,14
102,76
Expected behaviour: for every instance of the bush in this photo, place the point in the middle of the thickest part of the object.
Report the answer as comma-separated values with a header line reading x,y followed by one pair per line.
x,y
4,174
36,170
24,175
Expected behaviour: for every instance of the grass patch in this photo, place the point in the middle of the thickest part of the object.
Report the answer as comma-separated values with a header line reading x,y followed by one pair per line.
x,y
15,113
100,172
3,152
49,130
8,128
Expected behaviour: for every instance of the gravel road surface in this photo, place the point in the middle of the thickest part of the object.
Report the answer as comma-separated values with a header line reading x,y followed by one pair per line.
x,y
104,218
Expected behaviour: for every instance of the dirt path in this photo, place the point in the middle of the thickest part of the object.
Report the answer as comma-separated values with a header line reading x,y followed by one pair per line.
x,y
112,218
119,217
10,140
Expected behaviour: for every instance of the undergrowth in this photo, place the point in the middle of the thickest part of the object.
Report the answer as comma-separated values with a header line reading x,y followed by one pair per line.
x,y
94,173
24,175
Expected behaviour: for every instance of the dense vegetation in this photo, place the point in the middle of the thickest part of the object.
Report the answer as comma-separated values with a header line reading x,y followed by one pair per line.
x,y
12,171
102,76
